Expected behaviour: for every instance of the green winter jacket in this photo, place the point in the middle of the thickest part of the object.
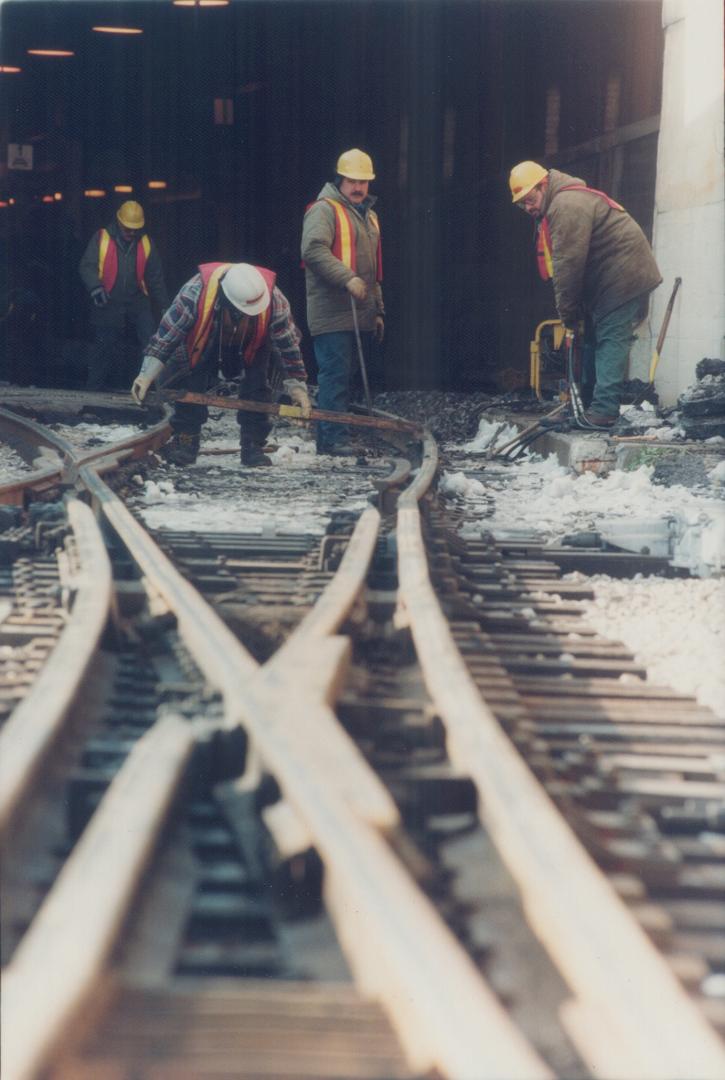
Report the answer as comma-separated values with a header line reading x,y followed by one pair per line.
x,y
328,301
601,257
126,298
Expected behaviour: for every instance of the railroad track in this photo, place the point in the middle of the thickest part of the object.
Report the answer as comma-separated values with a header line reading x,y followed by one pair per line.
x,y
267,771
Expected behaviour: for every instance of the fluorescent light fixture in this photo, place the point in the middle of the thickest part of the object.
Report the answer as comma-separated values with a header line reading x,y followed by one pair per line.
x,y
48,198
122,188
117,29
94,193
158,184
8,69
200,3
51,52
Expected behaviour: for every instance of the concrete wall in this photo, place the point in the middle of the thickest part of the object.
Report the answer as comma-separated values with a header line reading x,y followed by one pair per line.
x,y
689,225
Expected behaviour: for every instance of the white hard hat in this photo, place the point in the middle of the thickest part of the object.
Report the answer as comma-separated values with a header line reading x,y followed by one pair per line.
x,y
244,286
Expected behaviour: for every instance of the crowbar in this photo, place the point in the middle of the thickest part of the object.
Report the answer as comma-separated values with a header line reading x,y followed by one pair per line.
x,y
360,356
663,331
290,412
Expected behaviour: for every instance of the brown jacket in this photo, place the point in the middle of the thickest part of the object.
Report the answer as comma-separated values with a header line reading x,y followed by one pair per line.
x,y
328,301
601,257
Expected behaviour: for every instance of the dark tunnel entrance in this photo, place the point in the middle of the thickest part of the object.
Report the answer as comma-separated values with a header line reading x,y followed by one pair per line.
x,y
242,110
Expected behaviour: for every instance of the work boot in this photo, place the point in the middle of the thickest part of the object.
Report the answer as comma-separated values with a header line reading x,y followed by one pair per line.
x,y
252,455
599,420
182,449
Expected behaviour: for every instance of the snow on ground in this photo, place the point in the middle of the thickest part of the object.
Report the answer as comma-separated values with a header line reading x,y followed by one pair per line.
x,y
541,495
12,466
88,436
294,496
674,627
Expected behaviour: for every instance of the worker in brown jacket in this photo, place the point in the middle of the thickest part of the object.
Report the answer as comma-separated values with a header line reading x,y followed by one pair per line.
x,y
343,273
601,266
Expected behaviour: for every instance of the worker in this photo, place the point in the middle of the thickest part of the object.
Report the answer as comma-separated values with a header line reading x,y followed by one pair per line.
x,y
342,257
602,269
121,270
230,319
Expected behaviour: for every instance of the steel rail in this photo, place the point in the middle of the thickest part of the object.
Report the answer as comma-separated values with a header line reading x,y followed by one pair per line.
x,y
455,1024
436,998
69,457
37,721
630,1015
57,966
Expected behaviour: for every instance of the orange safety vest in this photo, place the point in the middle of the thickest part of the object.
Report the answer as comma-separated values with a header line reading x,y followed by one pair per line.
x,y
108,260
344,246
543,233
211,275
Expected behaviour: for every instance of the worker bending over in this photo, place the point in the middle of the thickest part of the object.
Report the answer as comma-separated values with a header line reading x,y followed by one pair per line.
x,y
228,321
601,266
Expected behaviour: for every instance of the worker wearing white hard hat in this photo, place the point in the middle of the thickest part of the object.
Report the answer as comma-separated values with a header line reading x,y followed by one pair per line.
x,y
229,321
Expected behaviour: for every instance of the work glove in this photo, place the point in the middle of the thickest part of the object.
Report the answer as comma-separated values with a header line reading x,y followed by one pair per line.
x,y
298,395
151,368
357,288
379,329
99,296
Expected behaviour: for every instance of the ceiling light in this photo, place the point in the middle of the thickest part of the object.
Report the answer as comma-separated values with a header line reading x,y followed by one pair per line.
x,y
7,69
51,52
4,203
117,29
58,195
200,3
48,198
159,184
94,193
122,188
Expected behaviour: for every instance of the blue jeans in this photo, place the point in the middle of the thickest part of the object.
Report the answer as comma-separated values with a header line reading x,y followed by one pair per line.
x,y
607,352
336,356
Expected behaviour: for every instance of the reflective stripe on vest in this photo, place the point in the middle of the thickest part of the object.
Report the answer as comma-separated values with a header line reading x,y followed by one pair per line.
x,y
108,260
544,258
211,275
344,245
543,250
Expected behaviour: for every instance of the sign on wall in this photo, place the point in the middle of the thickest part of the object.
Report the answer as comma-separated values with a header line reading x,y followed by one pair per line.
x,y
20,156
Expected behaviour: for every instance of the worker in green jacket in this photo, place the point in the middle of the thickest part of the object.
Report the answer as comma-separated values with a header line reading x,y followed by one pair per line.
x,y
121,270
602,269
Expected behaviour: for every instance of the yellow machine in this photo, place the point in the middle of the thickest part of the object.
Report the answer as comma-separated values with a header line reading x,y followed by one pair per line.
x,y
550,344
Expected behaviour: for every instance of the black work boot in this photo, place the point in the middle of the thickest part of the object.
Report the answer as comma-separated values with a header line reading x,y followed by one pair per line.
x,y
251,454
182,449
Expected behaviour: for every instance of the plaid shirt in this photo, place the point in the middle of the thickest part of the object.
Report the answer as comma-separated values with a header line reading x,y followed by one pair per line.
x,y
180,319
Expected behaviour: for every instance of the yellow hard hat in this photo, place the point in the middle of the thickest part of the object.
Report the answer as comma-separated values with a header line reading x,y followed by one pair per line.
x,y
355,165
525,176
130,215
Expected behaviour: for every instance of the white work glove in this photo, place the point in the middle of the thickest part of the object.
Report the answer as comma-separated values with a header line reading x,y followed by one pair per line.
x,y
379,329
357,288
151,368
298,395
99,296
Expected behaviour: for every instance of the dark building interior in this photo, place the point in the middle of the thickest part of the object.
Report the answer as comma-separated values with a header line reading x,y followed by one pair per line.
x,y
241,109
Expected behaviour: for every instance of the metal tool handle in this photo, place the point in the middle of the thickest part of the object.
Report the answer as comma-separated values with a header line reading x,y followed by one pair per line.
x,y
360,356
668,313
